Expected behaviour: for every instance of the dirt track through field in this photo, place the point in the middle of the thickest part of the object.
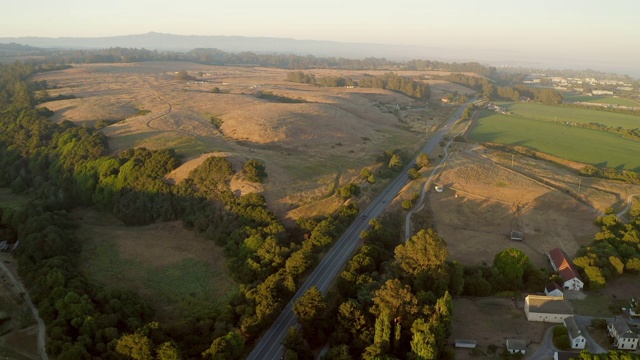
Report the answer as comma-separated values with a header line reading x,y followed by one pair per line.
x,y
161,115
42,333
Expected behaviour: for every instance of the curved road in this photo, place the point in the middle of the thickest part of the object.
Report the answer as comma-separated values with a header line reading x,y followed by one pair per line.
x,y
628,207
41,329
270,345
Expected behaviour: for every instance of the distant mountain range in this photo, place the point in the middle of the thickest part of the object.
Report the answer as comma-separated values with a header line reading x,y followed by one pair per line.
x,y
160,41
496,56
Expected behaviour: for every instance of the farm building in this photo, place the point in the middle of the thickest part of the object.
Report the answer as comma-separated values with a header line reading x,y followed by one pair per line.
x,y
467,344
561,263
515,346
517,235
575,334
623,337
547,308
553,289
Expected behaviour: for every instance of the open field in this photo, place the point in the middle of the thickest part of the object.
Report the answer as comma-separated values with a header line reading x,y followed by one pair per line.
x,y
302,144
172,268
562,114
491,321
587,146
601,100
485,197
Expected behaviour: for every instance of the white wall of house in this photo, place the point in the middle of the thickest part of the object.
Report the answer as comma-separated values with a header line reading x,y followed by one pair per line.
x,y
627,343
578,343
543,317
573,284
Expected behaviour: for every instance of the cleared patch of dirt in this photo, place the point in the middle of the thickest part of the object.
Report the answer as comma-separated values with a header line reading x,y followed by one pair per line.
x,y
491,321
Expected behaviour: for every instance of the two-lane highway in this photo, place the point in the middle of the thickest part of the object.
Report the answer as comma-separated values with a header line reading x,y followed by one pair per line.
x,y
270,345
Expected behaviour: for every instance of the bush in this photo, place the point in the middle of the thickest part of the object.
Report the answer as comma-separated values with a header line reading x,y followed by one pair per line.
x,y
561,338
599,324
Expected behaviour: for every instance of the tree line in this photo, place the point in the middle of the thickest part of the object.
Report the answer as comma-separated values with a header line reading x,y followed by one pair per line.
x,y
211,56
509,93
390,81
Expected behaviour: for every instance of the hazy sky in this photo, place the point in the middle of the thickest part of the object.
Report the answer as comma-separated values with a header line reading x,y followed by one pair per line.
x,y
599,30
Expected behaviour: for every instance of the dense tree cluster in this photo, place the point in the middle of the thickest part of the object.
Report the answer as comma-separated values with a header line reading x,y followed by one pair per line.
x,y
616,250
510,93
511,271
390,81
391,306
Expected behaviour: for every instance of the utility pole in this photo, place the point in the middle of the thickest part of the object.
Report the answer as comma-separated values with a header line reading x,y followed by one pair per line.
x,y
512,160
579,185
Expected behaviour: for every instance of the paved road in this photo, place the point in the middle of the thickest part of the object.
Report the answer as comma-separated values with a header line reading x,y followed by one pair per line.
x,y
546,350
41,329
269,347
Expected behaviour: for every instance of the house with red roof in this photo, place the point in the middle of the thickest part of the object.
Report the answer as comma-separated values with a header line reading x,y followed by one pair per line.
x,y
565,268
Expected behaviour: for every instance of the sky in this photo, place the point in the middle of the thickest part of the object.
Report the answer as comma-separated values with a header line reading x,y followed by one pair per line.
x,y
594,32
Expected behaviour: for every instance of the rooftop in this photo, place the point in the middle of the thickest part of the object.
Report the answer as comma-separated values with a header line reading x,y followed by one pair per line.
x,y
564,266
572,327
516,344
548,304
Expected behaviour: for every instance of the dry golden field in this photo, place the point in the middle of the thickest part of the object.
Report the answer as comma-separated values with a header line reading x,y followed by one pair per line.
x,y
485,198
308,148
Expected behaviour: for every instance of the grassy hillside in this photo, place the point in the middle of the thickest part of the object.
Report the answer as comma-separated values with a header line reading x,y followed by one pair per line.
x,y
570,142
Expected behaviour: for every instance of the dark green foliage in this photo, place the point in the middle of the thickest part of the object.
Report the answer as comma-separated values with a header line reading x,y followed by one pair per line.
x,y
511,265
561,338
255,171
349,190
268,95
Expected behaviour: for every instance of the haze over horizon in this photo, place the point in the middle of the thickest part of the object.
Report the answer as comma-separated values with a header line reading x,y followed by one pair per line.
x,y
574,34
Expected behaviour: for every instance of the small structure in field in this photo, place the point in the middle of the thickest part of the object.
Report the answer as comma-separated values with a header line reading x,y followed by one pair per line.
x,y
439,188
466,344
517,235
516,346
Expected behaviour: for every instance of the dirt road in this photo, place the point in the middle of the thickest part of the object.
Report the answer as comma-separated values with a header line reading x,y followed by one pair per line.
x,y
41,328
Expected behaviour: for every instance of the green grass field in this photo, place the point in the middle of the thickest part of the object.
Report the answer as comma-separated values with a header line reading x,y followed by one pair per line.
x,y
563,114
601,99
175,289
589,146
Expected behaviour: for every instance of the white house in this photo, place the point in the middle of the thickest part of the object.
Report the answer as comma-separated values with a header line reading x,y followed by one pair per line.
x,y
561,264
553,289
575,334
515,346
547,308
623,337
